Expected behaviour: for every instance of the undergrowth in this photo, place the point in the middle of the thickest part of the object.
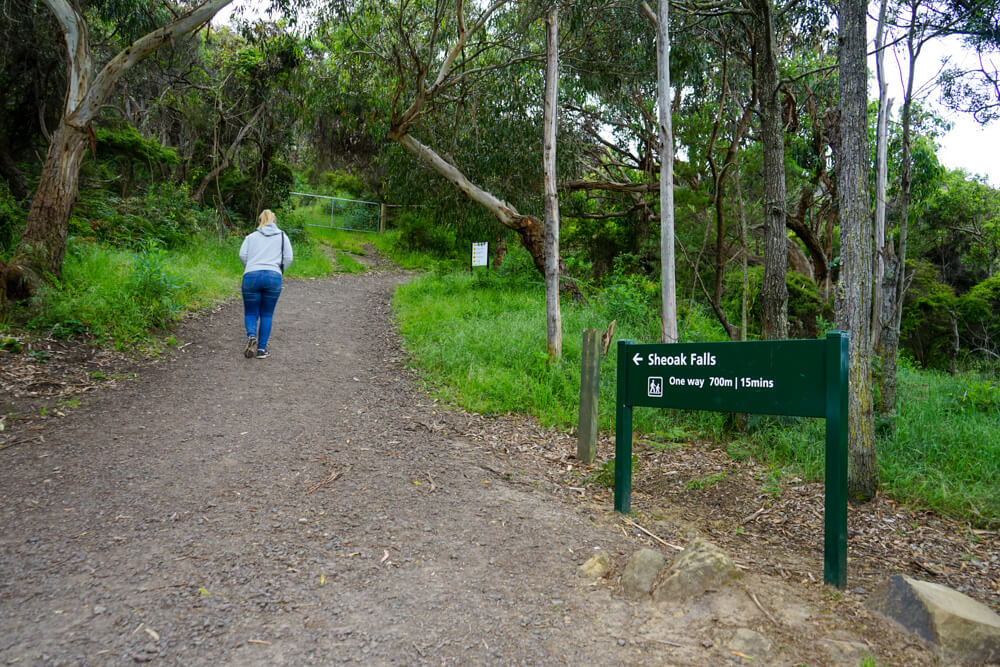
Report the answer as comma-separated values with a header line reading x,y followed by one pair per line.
x,y
479,342
128,298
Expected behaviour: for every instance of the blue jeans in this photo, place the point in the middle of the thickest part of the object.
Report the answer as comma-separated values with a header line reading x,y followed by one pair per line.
x,y
261,290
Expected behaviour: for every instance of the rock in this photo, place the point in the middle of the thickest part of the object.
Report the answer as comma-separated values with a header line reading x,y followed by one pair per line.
x,y
749,642
597,566
641,572
958,628
844,652
700,567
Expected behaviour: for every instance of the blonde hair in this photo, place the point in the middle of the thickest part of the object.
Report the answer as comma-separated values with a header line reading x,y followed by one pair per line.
x,y
266,217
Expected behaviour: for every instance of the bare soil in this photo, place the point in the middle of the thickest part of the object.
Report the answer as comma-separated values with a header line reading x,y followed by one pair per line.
x,y
319,507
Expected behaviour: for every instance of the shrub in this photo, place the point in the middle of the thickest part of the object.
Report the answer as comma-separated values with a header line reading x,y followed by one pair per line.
x,y
697,324
807,308
293,223
12,217
418,232
153,289
926,328
164,213
518,269
128,143
629,297
980,326
340,183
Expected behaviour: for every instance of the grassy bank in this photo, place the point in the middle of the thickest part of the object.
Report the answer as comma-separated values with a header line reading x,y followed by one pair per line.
x,y
479,340
128,298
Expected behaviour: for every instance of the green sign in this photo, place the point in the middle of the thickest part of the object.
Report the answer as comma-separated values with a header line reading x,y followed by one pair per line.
x,y
805,378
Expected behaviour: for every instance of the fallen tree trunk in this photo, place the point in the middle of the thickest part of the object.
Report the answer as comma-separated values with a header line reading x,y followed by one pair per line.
x,y
529,229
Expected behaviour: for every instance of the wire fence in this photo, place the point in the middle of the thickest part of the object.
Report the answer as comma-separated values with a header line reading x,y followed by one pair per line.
x,y
354,215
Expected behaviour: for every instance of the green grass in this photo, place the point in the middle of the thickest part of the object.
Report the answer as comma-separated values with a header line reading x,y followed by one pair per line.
x,y
347,264
316,217
310,262
479,341
353,242
126,297
391,246
947,450
317,213
482,345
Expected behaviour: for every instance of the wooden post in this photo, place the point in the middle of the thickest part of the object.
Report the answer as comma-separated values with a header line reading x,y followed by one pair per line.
x,y
381,218
590,384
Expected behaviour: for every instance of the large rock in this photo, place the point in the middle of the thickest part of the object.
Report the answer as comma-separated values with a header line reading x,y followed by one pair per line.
x,y
702,566
959,628
641,572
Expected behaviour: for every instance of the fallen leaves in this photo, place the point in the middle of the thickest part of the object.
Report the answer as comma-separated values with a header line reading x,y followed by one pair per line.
x,y
775,529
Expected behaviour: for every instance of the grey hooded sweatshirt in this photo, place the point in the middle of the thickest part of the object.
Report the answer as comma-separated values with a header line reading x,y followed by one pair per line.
x,y
261,250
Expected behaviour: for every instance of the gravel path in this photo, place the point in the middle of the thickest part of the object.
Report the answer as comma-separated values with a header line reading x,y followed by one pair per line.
x,y
312,508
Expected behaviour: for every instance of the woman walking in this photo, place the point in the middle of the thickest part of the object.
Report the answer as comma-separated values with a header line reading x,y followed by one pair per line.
x,y
265,253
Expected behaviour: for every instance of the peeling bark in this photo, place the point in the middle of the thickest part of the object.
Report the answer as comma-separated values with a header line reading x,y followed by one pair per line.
x,y
43,245
668,287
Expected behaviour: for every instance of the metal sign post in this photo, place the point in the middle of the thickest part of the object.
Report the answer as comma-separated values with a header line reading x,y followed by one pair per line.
x,y
804,378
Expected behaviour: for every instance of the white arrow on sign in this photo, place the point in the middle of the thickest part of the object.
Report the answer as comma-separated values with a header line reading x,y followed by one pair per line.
x,y
637,359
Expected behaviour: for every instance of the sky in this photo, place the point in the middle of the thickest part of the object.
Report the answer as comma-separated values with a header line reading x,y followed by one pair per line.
x,y
967,146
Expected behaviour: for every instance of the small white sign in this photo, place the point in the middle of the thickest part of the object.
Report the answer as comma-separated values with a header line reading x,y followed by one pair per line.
x,y
654,387
480,254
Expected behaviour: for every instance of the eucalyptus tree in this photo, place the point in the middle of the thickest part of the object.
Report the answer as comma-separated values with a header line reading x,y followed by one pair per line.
x,y
252,109
43,244
721,127
855,287
714,119
611,79
668,288
881,178
774,290
915,23
975,89
413,63
777,49
553,316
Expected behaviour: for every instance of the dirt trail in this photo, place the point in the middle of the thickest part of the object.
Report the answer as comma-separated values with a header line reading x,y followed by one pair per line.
x,y
315,507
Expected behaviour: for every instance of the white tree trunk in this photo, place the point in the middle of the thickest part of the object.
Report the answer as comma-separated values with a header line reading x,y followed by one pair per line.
x,y
881,175
553,317
668,288
528,228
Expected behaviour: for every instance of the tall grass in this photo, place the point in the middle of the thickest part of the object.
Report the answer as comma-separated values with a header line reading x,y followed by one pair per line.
x,y
338,213
946,452
125,297
479,341
353,242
